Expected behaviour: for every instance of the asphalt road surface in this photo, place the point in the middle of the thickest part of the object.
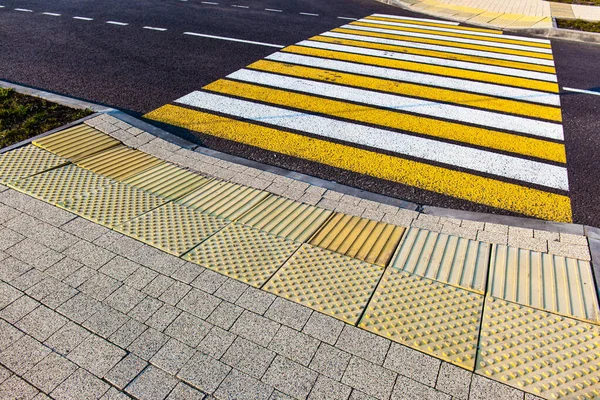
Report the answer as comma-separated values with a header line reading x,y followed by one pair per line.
x,y
139,56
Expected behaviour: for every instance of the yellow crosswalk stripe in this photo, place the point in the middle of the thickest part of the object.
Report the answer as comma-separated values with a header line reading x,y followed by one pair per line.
x,y
425,68
494,193
393,119
414,90
425,23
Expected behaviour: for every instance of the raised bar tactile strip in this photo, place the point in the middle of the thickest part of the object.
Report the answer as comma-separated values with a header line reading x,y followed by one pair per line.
x,y
287,218
449,259
539,352
326,281
113,205
26,161
365,239
77,142
173,228
223,199
60,184
437,319
167,180
119,162
244,253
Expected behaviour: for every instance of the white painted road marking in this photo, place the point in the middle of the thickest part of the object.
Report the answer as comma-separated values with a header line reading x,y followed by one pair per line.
x,y
238,6
209,2
234,39
23,10
273,10
581,91
84,18
152,28
51,14
309,14
475,159
437,21
117,23
348,18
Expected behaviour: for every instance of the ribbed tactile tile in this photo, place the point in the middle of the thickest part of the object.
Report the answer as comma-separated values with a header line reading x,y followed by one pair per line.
x,y
283,217
326,281
113,205
119,162
539,352
223,199
60,184
26,161
243,253
167,180
449,259
549,282
431,317
173,228
367,240
77,142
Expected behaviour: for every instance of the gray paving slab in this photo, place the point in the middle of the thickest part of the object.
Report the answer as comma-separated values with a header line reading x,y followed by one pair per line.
x,y
216,342
105,321
363,344
287,313
188,329
18,309
187,272
255,300
16,388
231,290
172,356
125,371
50,372
369,378
329,389
330,361
413,364
185,392
23,354
204,372
119,268
67,338
152,384
483,389
199,303
296,346
148,343
256,328
163,317
248,357
454,380
89,254
290,377
225,315
81,385
408,389
145,309
209,281
96,355
124,299
127,333
239,386
175,293
41,323
158,286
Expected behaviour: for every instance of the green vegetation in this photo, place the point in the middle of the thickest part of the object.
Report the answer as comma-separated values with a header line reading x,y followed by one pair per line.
x,y
583,2
579,25
22,116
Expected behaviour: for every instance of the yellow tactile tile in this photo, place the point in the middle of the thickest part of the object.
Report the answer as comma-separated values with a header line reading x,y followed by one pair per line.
x,y
326,281
60,184
26,161
119,162
77,142
244,253
437,319
365,239
449,259
113,205
286,218
167,180
173,228
223,199
539,352
549,282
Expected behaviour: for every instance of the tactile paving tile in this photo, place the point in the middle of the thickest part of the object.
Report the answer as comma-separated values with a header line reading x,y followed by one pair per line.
x,y
172,228
431,317
287,218
326,281
26,161
244,253
77,142
365,239
113,205
539,352
167,180
549,282
119,162
60,184
449,259
223,199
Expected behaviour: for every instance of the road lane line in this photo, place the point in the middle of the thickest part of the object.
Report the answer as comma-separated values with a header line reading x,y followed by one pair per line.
x,y
581,91
152,28
238,6
348,18
84,18
51,14
486,119
463,185
234,39
414,77
209,2
437,21
409,89
456,132
413,63
273,10
23,9
523,170
117,23
309,14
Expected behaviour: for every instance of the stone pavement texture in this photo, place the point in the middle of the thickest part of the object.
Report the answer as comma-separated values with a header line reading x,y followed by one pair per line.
x,y
87,312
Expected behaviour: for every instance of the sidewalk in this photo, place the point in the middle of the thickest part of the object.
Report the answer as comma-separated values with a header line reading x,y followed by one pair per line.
x,y
167,273
504,14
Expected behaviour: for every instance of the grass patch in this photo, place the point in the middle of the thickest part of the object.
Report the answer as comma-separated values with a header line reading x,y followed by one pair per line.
x,y
582,2
578,25
22,116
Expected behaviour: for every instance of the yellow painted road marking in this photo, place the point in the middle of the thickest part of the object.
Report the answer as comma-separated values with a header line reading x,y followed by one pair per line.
x,y
474,188
410,89
422,125
424,23
425,68
452,56
452,34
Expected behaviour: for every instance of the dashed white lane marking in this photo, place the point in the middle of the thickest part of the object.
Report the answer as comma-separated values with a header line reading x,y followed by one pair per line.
x,y
84,18
309,14
209,2
446,153
51,14
273,10
348,18
238,6
581,91
153,28
234,39
117,23
23,10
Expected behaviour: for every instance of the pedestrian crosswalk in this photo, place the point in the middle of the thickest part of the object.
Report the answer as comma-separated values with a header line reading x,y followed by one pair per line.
x,y
465,112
